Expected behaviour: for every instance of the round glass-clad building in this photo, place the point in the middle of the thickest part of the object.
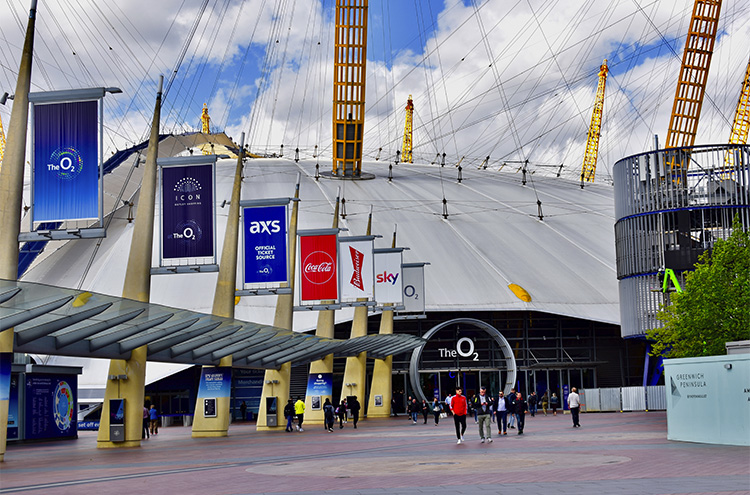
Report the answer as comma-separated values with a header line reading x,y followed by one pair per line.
x,y
671,206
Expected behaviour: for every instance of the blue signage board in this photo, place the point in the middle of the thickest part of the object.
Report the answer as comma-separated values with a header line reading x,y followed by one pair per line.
x,y
13,417
51,406
188,211
66,161
248,387
6,359
215,381
320,384
265,232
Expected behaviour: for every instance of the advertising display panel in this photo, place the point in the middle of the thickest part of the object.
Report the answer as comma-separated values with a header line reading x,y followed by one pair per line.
x,y
357,268
388,280
51,406
318,267
265,231
413,274
66,161
188,211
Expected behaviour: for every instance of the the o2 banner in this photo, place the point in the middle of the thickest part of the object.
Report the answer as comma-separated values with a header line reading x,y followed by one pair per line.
x,y
265,241
413,274
318,267
66,161
356,267
188,208
388,279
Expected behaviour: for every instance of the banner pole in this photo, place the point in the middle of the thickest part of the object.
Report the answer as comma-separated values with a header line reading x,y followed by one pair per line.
x,y
11,192
226,286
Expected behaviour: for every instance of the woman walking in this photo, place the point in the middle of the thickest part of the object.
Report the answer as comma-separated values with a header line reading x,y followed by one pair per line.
x,y
425,411
437,408
545,402
554,403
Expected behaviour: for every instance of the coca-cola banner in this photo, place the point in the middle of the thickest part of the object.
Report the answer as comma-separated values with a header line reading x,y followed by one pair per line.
x,y
388,279
318,268
413,274
357,270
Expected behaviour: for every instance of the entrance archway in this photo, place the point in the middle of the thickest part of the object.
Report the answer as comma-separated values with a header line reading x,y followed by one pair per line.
x,y
464,347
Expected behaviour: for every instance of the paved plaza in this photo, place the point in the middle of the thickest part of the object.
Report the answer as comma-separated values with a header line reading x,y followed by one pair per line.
x,y
620,453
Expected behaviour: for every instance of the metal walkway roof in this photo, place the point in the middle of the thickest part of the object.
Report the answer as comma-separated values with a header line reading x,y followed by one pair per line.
x,y
67,322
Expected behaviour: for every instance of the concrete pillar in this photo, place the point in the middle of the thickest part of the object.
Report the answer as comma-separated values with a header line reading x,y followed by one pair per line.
x,y
11,192
276,382
137,286
382,375
226,285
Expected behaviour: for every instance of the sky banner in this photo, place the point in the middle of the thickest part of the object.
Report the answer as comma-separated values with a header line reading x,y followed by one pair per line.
x,y
356,266
66,161
265,232
388,279
187,211
413,287
319,280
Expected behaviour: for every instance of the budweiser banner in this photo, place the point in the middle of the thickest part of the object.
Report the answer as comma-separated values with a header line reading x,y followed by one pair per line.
x,y
265,232
188,207
413,274
388,280
318,267
356,266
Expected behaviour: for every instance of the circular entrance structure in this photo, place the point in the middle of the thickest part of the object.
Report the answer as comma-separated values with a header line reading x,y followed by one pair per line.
x,y
465,352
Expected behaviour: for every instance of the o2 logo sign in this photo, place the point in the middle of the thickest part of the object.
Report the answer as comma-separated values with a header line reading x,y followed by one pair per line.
x,y
66,163
188,231
464,348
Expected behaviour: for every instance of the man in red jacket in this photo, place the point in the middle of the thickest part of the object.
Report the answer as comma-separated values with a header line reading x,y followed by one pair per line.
x,y
458,406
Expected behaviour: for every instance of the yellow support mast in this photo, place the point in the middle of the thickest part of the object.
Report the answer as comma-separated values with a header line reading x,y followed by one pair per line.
x,y
588,171
741,124
406,147
691,85
349,64
205,120
2,142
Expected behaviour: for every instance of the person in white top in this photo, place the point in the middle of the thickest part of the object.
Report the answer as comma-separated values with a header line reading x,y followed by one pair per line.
x,y
574,403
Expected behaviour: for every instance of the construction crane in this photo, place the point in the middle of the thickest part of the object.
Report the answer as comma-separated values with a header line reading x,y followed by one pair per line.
x,y
691,85
406,147
588,171
741,123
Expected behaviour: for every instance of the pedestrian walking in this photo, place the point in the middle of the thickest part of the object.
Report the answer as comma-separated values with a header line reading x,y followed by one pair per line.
x,y
521,408
574,403
342,413
425,410
545,402
414,410
243,411
512,408
299,410
153,416
554,403
502,414
289,414
482,405
146,420
437,409
354,408
328,413
459,407
532,401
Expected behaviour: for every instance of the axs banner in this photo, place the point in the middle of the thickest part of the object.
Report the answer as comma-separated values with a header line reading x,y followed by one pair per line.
x,y
318,268
188,211
265,244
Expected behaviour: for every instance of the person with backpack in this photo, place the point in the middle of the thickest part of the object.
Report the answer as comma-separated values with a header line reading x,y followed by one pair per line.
x,y
482,405
437,408
328,413
289,414
341,411
511,405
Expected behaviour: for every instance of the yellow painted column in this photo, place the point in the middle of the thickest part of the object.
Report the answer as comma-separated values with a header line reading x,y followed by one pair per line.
x,y
382,375
226,286
355,371
276,382
11,192
137,286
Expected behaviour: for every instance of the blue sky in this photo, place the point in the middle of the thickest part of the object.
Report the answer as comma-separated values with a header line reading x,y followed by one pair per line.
x,y
512,79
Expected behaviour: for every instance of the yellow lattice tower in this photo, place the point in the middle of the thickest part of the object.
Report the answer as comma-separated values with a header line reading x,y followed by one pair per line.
x,y
350,56
205,120
2,142
406,147
691,85
588,171
742,114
